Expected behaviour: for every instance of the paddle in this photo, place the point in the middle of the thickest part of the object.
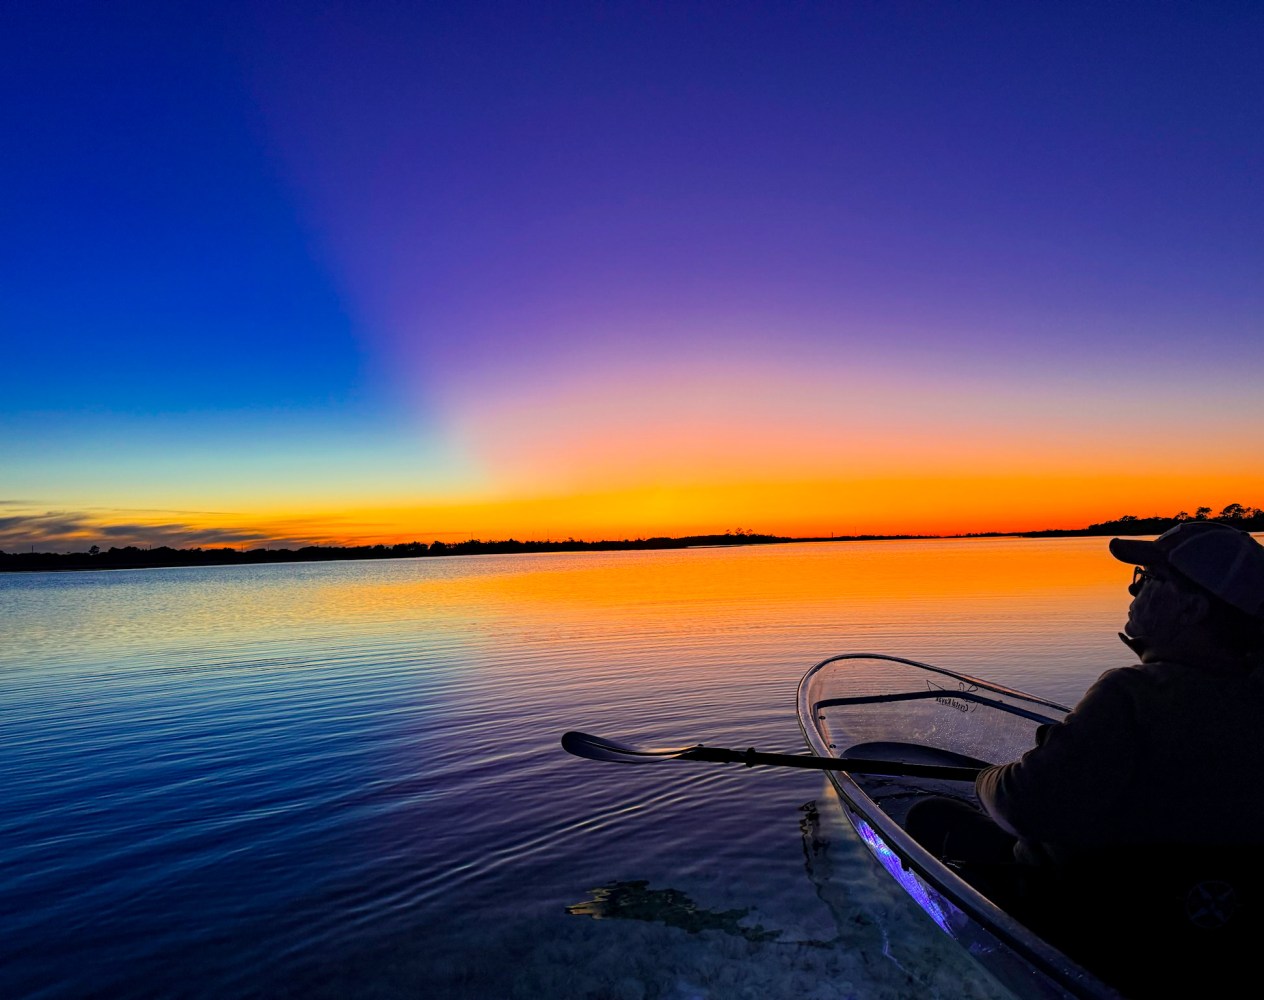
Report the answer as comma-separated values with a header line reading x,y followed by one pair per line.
x,y
599,748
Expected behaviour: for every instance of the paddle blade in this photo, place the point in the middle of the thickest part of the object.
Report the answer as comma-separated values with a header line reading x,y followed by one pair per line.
x,y
600,748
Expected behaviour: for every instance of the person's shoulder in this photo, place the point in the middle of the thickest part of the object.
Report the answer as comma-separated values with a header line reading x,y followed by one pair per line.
x,y
1144,679
1134,673
1142,673
1126,682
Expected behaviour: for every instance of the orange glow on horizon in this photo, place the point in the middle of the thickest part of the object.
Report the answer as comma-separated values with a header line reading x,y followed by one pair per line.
x,y
825,508
916,505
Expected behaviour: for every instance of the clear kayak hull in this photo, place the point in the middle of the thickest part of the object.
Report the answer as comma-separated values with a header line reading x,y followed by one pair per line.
x,y
885,707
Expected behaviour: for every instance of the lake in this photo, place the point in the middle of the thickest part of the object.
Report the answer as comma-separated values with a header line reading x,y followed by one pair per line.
x,y
344,779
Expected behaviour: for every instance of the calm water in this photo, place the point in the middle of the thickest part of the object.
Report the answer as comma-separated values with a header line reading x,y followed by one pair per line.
x,y
344,779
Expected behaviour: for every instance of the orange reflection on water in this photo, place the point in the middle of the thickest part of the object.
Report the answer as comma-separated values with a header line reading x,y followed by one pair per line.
x,y
821,571
662,633
666,636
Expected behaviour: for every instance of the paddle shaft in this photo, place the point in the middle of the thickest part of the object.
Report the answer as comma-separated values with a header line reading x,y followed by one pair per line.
x,y
853,765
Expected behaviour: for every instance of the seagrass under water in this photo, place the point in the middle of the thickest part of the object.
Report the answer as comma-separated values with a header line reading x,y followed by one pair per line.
x,y
344,779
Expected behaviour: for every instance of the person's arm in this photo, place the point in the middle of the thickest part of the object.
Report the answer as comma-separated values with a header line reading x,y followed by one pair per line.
x,y
1065,789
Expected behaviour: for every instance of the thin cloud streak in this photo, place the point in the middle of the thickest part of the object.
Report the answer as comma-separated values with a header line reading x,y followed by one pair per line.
x,y
69,531
78,530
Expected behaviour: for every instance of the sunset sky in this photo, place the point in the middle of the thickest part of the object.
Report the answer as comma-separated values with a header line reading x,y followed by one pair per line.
x,y
345,272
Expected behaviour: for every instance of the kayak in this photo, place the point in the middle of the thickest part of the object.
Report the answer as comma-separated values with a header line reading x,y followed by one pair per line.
x,y
866,705
1143,921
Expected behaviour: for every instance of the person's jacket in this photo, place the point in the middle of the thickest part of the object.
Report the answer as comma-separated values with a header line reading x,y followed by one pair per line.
x,y
1154,754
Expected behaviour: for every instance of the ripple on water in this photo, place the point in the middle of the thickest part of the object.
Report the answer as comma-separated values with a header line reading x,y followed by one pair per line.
x,y
345,778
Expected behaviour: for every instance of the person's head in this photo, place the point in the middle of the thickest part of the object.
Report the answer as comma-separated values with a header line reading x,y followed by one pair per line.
x,y
1197,589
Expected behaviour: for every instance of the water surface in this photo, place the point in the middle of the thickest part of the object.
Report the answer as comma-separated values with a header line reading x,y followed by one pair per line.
x,y
343,779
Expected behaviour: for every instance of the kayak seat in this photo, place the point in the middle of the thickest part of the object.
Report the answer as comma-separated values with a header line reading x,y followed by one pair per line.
x,y
912,753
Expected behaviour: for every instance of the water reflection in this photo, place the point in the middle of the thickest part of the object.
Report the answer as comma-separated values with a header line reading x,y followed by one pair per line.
x,y
344,779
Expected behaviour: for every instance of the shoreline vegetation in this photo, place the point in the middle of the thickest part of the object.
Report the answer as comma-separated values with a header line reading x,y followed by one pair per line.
x,y
135,557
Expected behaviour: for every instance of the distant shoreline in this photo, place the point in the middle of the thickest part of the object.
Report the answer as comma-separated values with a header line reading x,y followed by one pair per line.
x,y
134,557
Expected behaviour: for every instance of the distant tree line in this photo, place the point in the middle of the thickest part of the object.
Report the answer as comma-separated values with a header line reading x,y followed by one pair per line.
x,y
134,557
1235,514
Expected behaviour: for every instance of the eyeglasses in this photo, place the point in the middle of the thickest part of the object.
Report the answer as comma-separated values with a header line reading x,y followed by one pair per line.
x,y
1140,575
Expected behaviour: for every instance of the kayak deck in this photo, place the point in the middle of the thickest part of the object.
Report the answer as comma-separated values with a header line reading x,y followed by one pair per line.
x,y
890,708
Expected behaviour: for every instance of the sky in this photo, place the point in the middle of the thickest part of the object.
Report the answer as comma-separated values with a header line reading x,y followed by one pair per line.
x,y
278,274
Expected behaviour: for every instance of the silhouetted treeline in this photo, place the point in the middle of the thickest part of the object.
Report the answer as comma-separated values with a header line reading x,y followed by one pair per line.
x,y
1235,514
132,557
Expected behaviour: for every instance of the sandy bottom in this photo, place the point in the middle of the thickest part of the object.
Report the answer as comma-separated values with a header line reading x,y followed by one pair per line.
x,y
863,938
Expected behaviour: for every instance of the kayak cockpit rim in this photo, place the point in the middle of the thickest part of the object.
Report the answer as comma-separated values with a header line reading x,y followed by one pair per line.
x,y
971,696
1051,962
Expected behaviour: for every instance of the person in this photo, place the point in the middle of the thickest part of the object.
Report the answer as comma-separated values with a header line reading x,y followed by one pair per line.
x,y
1158,770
